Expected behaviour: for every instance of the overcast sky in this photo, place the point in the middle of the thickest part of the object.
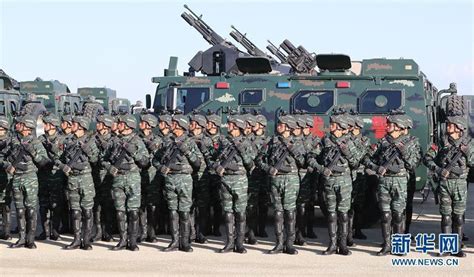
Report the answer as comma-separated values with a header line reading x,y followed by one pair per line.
x,y
123,44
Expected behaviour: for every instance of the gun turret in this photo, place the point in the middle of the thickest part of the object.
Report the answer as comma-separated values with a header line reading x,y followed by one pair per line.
x,y
251,48
276,52
299,58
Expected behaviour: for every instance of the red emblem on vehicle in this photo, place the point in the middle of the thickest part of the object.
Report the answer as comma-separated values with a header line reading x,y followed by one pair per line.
x,y
379,126
318,126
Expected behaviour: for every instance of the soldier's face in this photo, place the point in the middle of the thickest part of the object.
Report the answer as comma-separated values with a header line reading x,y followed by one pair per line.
x,y
121,126
248,130
211,128
281,128
256,127
114,126
75,126
66,126
296,132
453,131
356,131
99,126
24,131
197,130
192,126
142,125
336,130
3,132
260,131
307,131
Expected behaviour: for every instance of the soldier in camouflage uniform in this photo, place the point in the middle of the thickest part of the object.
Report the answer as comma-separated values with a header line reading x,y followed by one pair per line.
x,y
5,180
76,164
103,203
25,155
234,160
201,177
127,156
178,162
359,186
213,132
394,156
51,180
68,136
150,193
338,156
281,160
450,163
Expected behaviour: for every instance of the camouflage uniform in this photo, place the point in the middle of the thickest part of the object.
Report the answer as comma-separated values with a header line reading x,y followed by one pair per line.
x,y
5,182
392,160
128,155
284,183
104,210
177,164
51,183
76,164
451,162
65,216
25,155
235,159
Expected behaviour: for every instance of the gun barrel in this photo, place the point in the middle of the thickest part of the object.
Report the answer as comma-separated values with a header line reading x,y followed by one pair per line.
x,y
205,30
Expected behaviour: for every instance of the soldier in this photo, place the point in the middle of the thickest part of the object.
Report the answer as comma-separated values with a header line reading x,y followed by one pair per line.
x,y
338,155
5,180
51,180
177,165
201,176
76,164
103,202
234,160
281,161
450,162
150,193
26,154
68,136
128,155
260,141
359,186
213,126
394,156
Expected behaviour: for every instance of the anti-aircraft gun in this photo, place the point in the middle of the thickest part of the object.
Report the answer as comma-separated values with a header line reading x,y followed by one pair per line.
x,y
300,60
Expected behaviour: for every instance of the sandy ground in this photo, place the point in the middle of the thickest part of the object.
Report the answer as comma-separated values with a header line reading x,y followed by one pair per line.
x,y
51,260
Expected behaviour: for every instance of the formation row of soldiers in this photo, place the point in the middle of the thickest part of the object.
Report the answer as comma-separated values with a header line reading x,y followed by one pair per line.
x,y
129,168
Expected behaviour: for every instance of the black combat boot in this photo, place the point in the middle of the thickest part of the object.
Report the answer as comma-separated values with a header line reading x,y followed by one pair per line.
x,y
7,219
202,217
386,232
151,218
133,218
262,221
290,222
122,229
350,240
229,232
301,225
278,234
343,230
97,224
458,229
309,222
31,220
142,214
185,232
106,222
216,224
358,224
240,219
87,223
44,214
174,229
20,216
192,224
55,222
446,228
332,230
252,225
76,229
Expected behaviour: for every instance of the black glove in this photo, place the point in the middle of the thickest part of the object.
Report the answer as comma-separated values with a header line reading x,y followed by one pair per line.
x,y
184,148
29,148
344,149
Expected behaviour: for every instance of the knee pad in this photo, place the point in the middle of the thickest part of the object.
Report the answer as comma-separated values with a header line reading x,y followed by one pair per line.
x,y
332,217
446,220
343,217
87,213
76,214
458,219
386,217
240,217
184,216
397,217
133,215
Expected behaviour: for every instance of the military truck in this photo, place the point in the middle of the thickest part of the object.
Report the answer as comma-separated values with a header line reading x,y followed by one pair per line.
x,y
102,95
54,95
120,106
316,84
10,99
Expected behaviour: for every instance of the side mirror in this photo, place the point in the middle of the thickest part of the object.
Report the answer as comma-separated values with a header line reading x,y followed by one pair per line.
x,y
148,101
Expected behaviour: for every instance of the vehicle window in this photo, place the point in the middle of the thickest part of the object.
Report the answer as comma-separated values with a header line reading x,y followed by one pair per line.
x,y
48,101
13,107
380,101
313,101
2,108
251,97
188,99
67,108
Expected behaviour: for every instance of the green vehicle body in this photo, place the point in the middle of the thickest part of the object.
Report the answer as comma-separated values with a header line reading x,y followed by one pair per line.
x,y
102,95
10,98
120,105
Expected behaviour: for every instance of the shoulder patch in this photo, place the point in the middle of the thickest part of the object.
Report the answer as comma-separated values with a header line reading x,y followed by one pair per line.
x,y
434,147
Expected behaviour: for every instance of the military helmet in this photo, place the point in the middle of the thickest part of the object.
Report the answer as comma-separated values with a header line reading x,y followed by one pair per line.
x,y
399,118
300,120
52,119
340,117
458,120
199,119
289,120
83,121
260,118
350,120
181,120
238,120
150,119
129,120
66,117
4,122
250,119
214,118
29,121
106,119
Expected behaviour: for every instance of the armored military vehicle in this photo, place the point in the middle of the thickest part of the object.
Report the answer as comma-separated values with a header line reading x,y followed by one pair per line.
x,y
120,106
232,79
10,99
101,95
